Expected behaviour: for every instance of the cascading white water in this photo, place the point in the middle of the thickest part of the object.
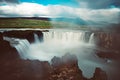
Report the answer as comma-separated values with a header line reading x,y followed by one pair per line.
x,y
64,36
22,48
55,43
58,43
36,37
91,39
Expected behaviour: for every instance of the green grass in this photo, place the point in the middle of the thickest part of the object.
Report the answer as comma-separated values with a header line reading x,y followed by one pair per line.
x,y
34,23
24,23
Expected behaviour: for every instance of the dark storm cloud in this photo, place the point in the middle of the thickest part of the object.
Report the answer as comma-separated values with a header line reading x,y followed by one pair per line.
x,y
9,1
99,4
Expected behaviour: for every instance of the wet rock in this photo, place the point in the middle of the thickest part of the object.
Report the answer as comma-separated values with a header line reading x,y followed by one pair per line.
x,y
5,47
1,36
99,75
56,61
66,69
40,34
108,40
27,34
113,55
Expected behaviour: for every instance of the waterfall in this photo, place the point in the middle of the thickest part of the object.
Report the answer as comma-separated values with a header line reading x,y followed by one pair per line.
x,y
36,38
68,36
91,39
64,36
21,45
23,48
59,42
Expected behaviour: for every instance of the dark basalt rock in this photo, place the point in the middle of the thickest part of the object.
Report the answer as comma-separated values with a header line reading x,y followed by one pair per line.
x,y
108,40
6,49
99,75
66,68
1,36
27,34
56,61
87,36
108,55
108,44
40,34
67,59
17,69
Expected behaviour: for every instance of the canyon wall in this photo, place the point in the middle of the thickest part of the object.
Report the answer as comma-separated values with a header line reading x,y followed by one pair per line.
x,y
64,68
108,44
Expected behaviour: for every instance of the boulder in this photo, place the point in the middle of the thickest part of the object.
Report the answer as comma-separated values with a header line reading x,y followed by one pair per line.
x,y
66,69
99,75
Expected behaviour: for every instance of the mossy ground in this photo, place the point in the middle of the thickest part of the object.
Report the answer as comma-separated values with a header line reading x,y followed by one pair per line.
x,y
24,23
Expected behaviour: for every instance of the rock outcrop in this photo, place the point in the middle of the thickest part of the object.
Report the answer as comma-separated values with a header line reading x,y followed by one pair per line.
x,y
99,75
5,48
27,34
108,55
65,68
108,45
108,40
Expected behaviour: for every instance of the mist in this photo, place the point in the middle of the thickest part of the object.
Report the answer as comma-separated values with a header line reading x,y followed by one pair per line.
x,y
88,16
58,43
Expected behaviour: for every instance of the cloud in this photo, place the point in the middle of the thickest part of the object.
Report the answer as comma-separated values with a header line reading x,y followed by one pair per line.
x,y
99,4
9,1
38,10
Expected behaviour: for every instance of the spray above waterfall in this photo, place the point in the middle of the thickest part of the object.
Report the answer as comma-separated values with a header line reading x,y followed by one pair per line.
x,y
55,43
58,43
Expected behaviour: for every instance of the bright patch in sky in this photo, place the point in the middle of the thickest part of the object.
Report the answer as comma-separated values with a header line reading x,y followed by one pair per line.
x,y
54,2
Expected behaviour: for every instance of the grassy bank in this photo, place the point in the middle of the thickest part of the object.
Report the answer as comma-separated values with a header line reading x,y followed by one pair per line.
x,y
39,23
24,23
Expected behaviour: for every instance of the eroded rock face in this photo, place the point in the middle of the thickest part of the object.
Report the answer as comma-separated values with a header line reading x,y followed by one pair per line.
x,y
108,55
99,75
109,45
14,68
66,68
108,40
18,69
1,36
6,49
27,34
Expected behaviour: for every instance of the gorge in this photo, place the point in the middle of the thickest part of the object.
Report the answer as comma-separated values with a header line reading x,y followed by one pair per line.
x,y
52,45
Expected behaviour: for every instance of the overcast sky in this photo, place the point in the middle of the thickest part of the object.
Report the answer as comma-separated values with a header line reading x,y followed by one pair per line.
x,y
93,10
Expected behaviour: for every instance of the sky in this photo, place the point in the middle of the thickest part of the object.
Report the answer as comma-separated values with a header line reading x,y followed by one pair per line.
x,y
107,11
